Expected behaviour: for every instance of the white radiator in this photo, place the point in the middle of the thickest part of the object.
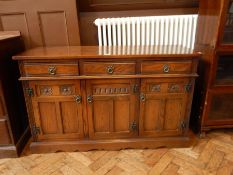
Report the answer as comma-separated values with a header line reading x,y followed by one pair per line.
x,y
147,31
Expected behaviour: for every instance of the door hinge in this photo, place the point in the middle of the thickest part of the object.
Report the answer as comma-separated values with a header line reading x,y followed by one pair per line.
x,y
30,92
133,126
188,87
135,88
35,130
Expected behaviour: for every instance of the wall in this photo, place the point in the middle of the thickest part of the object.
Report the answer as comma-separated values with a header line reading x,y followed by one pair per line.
x,y
41,22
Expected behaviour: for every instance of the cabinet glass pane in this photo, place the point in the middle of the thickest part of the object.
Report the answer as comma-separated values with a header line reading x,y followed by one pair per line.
x,y
228,30
224,74
221,107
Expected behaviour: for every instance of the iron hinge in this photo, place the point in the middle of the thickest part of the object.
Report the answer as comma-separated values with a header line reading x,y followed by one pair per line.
x,y
35,130
188,87
30,92
133,126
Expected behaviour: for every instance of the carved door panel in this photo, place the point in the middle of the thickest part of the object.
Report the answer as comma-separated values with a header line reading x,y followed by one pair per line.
x,y
112,106
164,107
57,109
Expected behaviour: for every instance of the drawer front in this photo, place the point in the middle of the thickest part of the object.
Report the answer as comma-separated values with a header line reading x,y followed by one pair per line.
x,y
166,67
108,68
50,69
54,88
164,86
5,135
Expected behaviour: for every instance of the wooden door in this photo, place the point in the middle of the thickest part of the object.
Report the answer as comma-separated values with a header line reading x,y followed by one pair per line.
x,y
5,137
164,106
42,23
112,108
57,109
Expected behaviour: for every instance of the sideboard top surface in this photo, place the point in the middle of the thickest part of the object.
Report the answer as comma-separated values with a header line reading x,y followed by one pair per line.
x,y
86,52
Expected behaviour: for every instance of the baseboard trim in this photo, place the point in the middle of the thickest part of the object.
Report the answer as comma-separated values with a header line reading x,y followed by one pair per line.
x,y
113,144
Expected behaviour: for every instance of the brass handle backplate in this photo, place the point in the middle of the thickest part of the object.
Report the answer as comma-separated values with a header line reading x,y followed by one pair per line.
x,y
78,98
166,68
142,97
110,69
52,70
89,99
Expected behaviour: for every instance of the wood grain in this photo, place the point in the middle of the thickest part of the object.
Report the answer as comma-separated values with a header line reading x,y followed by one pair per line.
x,y
140,162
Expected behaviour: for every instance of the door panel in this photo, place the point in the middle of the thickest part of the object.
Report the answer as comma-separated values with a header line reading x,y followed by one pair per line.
x,y
103,110
70,118
173,113
153,113
162,111
122,116
58,115
113,108
48,117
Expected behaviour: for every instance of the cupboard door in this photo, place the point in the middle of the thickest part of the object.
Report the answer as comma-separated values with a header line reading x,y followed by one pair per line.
x,y
57,110
112,106
164,107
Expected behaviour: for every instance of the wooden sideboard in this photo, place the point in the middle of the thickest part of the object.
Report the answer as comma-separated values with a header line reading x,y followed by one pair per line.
x,y
89,97
14,130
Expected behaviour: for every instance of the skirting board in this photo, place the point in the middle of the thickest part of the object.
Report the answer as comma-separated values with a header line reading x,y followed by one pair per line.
x,y
113,144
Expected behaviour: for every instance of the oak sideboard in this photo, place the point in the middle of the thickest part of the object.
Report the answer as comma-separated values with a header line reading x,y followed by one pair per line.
x,y
82,98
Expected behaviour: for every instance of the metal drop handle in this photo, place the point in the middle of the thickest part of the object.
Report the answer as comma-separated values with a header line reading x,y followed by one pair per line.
x,y
52,70
78,98
110,69
89,99
142,97
166,68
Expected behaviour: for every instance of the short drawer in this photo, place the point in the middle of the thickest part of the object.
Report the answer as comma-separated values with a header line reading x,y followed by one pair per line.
x,y
108,68
166,67
51,69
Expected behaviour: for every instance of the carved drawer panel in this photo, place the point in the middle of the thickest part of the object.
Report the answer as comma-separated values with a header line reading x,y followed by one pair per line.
x,y
55,90
50,69
165,67
113,89
167,86
108,68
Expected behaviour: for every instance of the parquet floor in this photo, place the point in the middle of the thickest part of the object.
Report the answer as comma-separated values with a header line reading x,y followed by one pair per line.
x,y
212,155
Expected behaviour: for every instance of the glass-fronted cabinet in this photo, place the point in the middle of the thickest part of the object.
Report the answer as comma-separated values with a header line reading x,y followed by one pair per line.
x,y
220,107
228,27
215,93
224,70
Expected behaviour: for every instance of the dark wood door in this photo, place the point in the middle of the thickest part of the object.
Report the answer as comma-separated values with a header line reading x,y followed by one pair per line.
x,y
5,137
57,109
219,107
164,107
112,106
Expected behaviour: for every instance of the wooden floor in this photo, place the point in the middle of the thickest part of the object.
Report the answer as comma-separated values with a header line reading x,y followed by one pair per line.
x,y
212,155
